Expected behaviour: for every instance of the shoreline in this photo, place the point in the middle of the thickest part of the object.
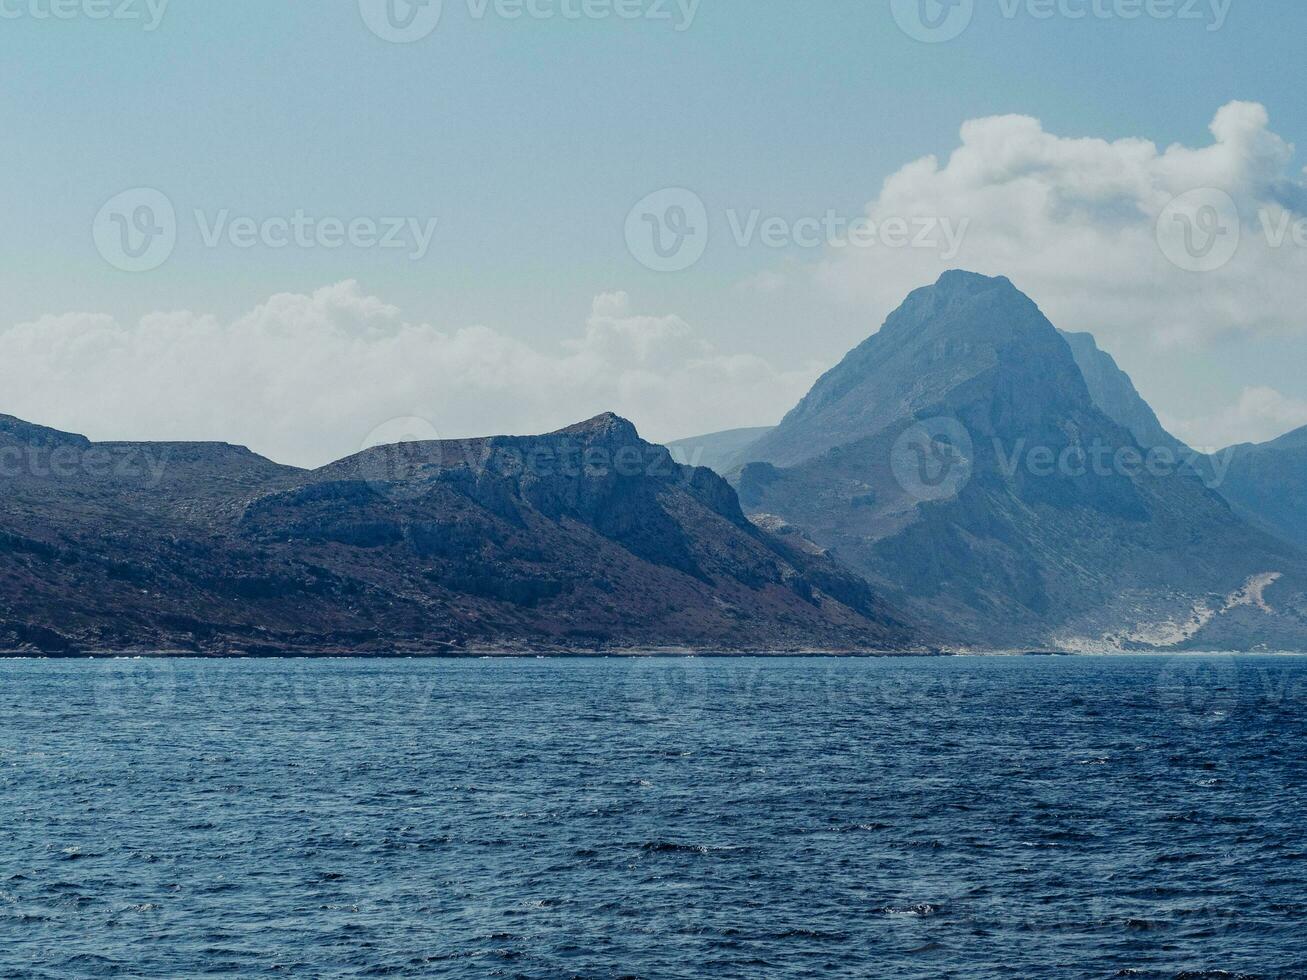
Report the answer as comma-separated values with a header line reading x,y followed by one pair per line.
x,y
669,654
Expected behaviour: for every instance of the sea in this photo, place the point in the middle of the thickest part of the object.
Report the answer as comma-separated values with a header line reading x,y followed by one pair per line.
x,y
1033,817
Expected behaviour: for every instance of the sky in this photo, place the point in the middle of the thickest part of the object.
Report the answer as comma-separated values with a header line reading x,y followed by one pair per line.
x,y
305,227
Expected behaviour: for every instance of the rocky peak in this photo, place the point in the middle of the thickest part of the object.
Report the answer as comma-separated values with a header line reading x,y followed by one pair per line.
x,y
607,427
968,344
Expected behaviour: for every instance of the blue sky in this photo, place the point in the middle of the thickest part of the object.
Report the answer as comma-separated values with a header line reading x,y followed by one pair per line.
x,y
530,140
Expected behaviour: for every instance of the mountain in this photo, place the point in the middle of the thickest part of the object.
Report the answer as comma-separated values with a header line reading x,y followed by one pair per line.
x,y
1110,388
718,450
1267,484
588,539
958,460
1114,394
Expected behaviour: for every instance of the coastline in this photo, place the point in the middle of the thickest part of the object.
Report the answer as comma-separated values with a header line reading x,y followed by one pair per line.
x,y
641,654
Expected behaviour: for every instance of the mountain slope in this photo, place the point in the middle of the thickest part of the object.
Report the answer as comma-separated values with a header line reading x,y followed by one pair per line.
x,y
1267,483
957,459
717,450
1115,394
584,539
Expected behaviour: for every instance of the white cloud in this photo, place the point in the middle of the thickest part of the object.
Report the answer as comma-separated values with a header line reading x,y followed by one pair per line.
x,y
1260,414
305,378
1072,222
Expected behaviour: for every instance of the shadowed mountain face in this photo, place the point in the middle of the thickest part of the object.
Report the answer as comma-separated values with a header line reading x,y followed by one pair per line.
x,y
585,539
958,460
1267,483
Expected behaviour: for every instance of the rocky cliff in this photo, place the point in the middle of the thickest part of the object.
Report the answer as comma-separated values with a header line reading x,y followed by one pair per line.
x,y
588,539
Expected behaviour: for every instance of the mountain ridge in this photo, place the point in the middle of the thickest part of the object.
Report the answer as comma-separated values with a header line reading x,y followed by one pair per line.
x,y
1115,394
587,539
967,477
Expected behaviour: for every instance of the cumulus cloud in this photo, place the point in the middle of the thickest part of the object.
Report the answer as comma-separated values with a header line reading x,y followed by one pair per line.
x,y
307,379
1259,415
1073,222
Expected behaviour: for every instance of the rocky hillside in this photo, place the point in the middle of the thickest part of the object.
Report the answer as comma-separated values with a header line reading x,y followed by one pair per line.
x,y
588,539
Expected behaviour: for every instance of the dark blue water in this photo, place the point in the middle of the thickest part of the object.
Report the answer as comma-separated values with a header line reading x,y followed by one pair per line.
x,y
671,818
